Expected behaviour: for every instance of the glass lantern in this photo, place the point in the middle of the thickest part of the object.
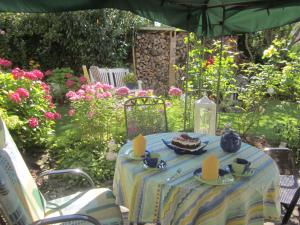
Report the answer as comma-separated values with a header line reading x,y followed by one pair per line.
x,y
205,116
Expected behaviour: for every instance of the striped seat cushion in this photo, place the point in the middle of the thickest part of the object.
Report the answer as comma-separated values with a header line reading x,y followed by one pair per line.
x,y
98,203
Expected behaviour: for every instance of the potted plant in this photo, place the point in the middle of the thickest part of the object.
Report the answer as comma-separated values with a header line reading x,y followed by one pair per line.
x,y
130,80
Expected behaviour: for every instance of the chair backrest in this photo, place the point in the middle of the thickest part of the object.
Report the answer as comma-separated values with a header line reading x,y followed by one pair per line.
x,y
117,75
100,75
145,115
284,158
108,76
20,200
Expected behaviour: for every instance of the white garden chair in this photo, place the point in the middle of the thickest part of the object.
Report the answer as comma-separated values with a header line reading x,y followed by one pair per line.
x,y
117,75
100,75
108,76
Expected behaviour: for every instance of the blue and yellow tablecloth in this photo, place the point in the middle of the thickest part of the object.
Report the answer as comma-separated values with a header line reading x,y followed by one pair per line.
x,y
184,200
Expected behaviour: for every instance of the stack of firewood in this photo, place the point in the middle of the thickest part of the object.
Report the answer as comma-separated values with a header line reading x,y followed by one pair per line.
x,y
152,55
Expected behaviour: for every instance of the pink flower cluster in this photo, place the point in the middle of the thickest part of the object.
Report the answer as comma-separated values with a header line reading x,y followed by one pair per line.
x,y
52,115
33,122
90,92
5,63
122,91
18,95
143,93
32,75
174,91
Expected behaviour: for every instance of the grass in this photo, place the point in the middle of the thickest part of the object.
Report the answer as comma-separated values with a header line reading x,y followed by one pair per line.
x,y
276,111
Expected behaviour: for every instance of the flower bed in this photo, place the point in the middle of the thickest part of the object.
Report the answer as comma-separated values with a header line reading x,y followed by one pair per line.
x,y
27,108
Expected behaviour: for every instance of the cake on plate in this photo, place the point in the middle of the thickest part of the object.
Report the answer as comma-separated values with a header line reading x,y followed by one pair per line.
x,y
186,142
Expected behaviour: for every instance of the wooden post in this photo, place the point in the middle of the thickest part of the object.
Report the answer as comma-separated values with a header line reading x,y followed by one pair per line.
x,y
172,61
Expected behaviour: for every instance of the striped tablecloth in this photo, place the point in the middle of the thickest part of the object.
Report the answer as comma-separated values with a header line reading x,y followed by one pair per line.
x,y
184,200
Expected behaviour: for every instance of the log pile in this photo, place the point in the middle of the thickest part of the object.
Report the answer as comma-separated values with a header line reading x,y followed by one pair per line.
x,y
153,57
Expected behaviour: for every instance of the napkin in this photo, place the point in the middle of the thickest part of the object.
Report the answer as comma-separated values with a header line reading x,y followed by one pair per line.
x,y
139,145
210,168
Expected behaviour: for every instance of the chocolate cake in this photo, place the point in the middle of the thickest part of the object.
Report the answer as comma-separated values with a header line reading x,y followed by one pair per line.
x,y
186,142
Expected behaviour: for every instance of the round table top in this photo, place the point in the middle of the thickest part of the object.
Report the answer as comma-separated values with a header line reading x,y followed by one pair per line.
x,y
152,196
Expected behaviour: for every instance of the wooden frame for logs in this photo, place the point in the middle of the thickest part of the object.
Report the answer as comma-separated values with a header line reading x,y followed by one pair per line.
x,y
155,52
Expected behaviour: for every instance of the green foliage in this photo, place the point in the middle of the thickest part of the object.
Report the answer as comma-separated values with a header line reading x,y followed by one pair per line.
x,y
17,114
70,39
205,65
130,78
288,132
61,81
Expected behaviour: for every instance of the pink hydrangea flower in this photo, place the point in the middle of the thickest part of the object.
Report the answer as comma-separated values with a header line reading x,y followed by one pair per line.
x,y
57,115
50,115
142,93
15,97
38,74
98,85
122,91
5,63
70,83
71,112
174,91
107,94
22,92
71,94
82,80
68,75
80,92
18,73
30,76
107,87
33,122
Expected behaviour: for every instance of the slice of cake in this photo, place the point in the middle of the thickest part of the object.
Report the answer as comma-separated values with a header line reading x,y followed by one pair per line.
x,y
187,142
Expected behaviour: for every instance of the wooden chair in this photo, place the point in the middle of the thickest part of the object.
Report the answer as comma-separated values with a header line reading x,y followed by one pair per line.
x,y
21,202
289,188
145,115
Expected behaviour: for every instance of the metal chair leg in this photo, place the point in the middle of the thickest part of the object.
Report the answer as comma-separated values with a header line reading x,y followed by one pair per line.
x,y
291,207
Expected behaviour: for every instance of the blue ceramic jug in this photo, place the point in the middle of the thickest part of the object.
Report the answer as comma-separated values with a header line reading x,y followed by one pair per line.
x,y
230,141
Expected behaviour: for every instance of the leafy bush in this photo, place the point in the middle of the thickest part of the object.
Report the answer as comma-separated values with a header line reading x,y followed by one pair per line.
x,y
26,107
70,39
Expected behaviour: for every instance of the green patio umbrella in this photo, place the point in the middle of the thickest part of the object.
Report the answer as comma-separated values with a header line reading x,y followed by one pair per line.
x,y
204,17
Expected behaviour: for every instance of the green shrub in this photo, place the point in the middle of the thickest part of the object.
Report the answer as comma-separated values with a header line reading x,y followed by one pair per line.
x,y
71,39
27,108
130,78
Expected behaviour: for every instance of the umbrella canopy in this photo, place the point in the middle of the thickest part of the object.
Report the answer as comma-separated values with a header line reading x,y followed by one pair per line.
x,y
204,17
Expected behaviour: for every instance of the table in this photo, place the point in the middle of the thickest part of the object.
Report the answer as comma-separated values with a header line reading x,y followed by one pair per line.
x,y
184,200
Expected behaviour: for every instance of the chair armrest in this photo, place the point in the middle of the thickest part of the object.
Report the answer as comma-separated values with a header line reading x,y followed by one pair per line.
x,y
66,218
68,171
